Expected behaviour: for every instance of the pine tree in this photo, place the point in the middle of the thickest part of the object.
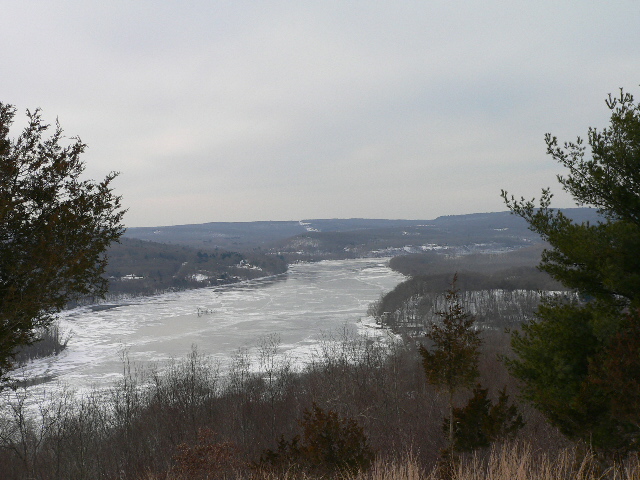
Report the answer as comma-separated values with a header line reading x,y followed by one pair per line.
x,y
451,362
569,357
481,421
54,229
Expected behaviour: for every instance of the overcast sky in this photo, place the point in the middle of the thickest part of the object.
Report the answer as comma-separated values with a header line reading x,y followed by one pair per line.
x,y
259,110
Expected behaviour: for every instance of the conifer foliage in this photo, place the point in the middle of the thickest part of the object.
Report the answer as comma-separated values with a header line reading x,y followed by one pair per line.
x,y
481,421
578,358
451,362
330,444
54,229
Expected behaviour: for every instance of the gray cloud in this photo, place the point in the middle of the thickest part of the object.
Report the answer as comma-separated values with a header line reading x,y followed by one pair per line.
x,y
232,111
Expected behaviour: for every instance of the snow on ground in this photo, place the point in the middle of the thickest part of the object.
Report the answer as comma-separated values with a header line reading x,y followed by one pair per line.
x,y
301,308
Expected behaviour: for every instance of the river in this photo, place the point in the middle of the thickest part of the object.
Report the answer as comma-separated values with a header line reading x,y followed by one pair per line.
x,y
300,307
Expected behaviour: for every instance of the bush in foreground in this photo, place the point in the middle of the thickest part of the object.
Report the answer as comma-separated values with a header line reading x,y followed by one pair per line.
x,y
330,444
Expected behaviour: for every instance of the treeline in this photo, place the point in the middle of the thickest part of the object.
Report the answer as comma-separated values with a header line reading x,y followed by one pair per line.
x,y
393,241
500,290
139,267
260,418
518,265
50,340
498,300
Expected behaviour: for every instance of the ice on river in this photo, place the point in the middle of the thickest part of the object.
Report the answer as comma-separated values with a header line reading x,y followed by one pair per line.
x,y
299,306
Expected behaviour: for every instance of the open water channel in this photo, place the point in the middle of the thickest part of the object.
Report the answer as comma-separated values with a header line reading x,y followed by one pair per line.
x,y
301,306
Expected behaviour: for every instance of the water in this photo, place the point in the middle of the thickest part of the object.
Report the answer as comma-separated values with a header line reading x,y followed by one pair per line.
x,y
300,306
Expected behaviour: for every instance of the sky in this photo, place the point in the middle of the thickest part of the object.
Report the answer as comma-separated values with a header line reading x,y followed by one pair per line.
x,y
225,111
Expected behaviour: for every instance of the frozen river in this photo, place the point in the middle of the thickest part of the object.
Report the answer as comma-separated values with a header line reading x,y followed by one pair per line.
x,y
299,306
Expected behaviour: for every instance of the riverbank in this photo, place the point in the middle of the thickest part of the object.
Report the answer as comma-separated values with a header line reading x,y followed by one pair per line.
x,y
299,306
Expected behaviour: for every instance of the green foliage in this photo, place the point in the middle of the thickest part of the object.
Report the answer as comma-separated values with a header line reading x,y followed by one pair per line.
x,y
285,457
610,179
339,443
452,362
575,356
553,361
615,371
329,444
54,229
481,422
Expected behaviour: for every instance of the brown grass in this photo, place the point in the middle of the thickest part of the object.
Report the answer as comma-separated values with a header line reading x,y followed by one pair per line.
x,y
512,462
506,462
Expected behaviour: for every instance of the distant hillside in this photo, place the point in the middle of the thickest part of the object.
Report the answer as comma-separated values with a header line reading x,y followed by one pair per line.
x,y
454,235
356,237
237,236
501,289
140,267
152,259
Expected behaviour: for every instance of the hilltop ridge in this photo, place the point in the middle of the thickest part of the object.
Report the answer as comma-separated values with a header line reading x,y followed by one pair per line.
x,y
151,259
363,234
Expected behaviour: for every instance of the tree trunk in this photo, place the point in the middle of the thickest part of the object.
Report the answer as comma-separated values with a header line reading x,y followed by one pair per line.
x,y
451,421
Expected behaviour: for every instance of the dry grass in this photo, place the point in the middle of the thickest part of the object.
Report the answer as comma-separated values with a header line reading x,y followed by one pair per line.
x,y
511,462
407,469
514,462
507,462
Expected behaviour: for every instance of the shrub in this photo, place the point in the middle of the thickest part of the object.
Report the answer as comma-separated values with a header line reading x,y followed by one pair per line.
x,y
481,422
329,444
208,458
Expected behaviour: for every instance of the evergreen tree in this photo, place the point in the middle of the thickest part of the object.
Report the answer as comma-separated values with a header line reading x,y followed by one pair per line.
x,y
54,229
481,421
451,362
569,357
330,444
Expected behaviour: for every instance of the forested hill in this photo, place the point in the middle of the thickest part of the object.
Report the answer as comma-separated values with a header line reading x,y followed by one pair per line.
x,y
244,236
238,236
347,238
140,267
154,259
